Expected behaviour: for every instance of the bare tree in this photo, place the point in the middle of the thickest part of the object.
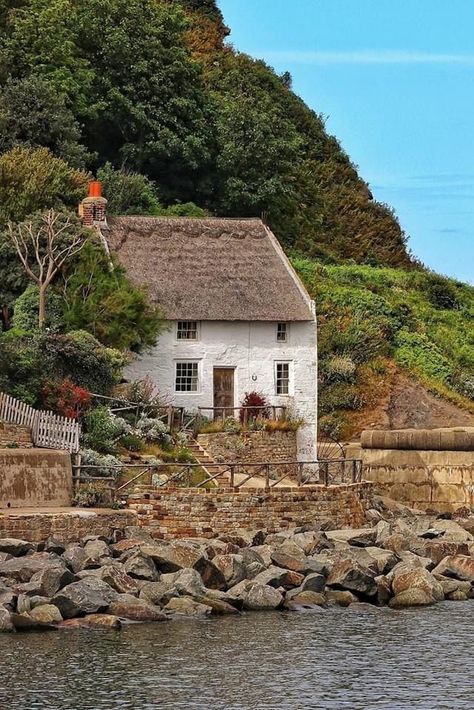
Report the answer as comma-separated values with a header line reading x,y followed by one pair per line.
x,y
43,249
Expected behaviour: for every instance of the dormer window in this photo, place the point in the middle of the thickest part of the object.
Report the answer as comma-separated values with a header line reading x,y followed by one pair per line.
x,y
187,330
282,332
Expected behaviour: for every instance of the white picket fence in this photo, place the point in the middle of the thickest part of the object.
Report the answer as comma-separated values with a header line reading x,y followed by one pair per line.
x,y
48,430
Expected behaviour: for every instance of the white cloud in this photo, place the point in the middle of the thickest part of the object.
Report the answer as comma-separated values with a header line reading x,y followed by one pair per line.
x,y
368,56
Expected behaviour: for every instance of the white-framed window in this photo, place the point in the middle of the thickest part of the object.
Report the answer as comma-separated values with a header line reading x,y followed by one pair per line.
x,y
282,332
282,378
187,330
187,377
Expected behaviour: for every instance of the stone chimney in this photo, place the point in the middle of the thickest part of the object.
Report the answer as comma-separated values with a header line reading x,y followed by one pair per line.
x,y
92,209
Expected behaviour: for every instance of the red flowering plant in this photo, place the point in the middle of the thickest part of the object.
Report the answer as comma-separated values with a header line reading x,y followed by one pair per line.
x,y
254,406
66,398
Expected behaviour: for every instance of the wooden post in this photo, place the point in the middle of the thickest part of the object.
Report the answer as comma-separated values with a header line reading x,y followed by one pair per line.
x,y
326,473
232,475
267,476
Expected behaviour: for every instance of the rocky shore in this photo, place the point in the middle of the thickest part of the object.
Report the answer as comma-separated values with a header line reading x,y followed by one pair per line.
x,y
402,559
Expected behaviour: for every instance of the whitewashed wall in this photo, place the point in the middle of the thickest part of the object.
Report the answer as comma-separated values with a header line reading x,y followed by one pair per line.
x,y
252,349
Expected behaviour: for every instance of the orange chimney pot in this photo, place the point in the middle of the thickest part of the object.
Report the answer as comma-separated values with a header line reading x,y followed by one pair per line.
x,y
95,189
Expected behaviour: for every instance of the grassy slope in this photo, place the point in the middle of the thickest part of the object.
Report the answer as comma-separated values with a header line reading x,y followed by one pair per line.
x,y
372,318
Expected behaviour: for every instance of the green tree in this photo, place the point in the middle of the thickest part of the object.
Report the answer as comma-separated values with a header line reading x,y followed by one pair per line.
x,y
106,304
127,192
34,114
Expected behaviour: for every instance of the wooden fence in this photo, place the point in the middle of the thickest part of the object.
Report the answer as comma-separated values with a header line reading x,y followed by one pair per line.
x,y
48,430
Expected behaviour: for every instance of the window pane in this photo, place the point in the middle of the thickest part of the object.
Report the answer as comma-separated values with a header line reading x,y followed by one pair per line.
x,y
186,377
281,332
187,330
282,377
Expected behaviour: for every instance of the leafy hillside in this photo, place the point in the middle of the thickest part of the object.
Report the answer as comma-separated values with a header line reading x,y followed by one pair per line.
x,y
149,96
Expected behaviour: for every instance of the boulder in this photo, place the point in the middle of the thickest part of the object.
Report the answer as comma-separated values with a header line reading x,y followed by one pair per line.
x,y
185,606
93,621
14,547
459,596
118,579
253,562
451,585
23,604
98,553
384,589
51,579
38,600
211,575
75,557
46,614
452,531
218,606
341,597
154,592
290,556
4,556
304,600
279,577
262,597
458,566
186,582
414,596
88,596
8,599
265,552
232,568
351,576
6,623
141,566
128,607
54,545
438,549
313,583
385,559
23,568
244,538
124,545
362,537
173,556
418,578
407,557
312,542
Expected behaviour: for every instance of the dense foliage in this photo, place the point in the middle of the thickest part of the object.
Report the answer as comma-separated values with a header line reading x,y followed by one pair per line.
x,y
150,85
369,315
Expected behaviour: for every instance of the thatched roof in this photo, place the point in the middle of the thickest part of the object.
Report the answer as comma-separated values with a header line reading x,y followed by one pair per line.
x,y
210,269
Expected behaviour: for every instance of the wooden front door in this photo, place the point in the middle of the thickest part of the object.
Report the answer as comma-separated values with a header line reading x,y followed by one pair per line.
x,y
224,392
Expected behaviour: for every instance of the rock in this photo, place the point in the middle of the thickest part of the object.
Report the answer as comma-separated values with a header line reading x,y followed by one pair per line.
x,y
25,622
118,579
414,596
458,566
142,567
458,596
14,547
418,578
153,592
51,579
38,600
211,575
452,531
437,550
88,596
75,557
46,614
341,597
125,545
4,556
373,516
467,524
313,583
6,623
407,557
320,564
244,538
173,556
98,553
384,589
290,556
348,575
362,537
128,607
452,585
23,568
265,553
279,577
304,600
312,542
232,567
54,545
262,597
184,606
93,621
385,559
136,532
218,606
23,604
187,582
253,562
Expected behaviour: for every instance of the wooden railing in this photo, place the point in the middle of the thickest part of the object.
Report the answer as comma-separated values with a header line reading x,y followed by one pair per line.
x,y
173,417
48,430
266,475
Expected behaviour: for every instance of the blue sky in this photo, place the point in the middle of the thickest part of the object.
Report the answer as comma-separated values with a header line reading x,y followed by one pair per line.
x,y
395,79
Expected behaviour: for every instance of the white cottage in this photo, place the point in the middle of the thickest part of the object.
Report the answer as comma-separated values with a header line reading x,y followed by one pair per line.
x,y
238,317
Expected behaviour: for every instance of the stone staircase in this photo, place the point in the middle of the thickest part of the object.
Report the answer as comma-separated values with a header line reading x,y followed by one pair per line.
x,y
208,464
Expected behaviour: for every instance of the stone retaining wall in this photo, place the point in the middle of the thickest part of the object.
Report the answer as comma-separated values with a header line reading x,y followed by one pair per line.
x,y
35,477
251,447
427,480
13,434
67,526
199,512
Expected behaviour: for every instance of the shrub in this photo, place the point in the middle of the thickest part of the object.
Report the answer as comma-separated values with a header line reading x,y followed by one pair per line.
x,y
103,429
108,464
132,442
92,495
441,293
416,352
145,392
231,425
334,425
154,430
21,366
254,405
66,399
339,368
25,314
340,396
